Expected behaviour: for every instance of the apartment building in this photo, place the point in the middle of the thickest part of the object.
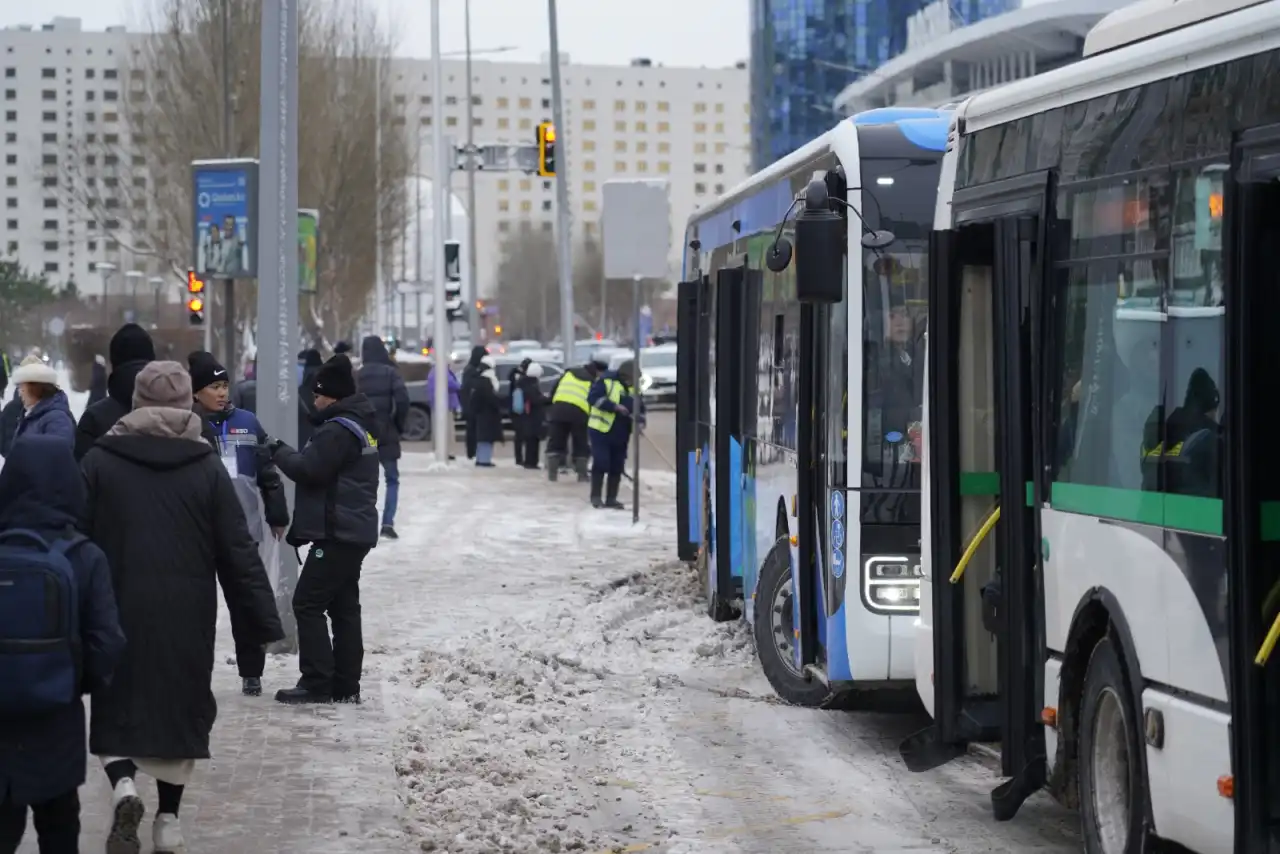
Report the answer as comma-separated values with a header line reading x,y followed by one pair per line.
x,y
61,95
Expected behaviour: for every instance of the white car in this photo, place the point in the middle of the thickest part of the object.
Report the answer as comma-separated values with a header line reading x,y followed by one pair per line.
x,y
658,373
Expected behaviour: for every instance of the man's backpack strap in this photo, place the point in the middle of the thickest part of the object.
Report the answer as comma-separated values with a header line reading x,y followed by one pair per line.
x,y
368,444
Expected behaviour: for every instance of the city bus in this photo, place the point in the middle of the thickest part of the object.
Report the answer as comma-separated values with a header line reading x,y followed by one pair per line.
x,y
1101,592
797,422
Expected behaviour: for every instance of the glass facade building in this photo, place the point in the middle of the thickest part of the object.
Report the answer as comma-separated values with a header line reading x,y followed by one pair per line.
x,y
804,52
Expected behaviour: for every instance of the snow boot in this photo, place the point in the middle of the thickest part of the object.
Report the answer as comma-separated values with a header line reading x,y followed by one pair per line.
x,y
597,485
301,696
166,834
554,461
126,816
611,493
251,686
389,532
580,464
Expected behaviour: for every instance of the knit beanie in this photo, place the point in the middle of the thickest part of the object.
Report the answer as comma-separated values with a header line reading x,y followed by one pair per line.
x,y
162,384
205,370
311,358
131,343
341,347
335,378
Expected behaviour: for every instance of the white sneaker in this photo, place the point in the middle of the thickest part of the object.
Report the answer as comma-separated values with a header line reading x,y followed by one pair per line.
x,y
126,816
166,834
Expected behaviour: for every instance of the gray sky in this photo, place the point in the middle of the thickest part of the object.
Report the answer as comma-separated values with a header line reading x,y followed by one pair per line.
x,y
673,32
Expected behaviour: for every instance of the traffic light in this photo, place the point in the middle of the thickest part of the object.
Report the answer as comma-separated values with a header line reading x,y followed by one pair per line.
x,y
453,279
195,298
546,149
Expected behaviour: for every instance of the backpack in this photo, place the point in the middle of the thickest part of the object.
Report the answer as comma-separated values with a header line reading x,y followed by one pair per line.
x,y
40,656
517,401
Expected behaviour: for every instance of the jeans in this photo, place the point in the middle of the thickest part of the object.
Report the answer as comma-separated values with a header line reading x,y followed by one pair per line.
x,y
484,453
330,584
391,474
57,824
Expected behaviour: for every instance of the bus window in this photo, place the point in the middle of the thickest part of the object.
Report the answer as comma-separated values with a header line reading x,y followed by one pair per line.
x,y
837,376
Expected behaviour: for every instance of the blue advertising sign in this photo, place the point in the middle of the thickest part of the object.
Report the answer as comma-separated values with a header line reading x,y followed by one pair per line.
x,y
225,214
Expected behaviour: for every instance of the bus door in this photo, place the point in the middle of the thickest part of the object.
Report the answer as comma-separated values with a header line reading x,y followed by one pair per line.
x,y
693,413
1252,476
984,337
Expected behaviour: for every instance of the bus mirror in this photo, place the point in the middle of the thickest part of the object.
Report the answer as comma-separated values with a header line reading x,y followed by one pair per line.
x,y
779,255
819,249
878,239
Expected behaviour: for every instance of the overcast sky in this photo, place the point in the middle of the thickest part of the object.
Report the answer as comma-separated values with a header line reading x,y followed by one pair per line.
x,y
674,32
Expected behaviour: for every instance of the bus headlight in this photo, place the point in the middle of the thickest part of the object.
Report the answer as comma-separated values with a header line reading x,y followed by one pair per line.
x,y
891,584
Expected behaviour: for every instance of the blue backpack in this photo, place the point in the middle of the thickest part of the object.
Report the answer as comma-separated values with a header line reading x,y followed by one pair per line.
x,y
40,655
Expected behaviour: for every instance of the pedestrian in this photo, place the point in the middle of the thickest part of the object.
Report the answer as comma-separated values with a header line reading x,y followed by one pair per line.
x,y
130,350
45,410
469,375
310,362
244,394
533,422
42,733
613,410
164,510
335,511
567,419
239,440
342,348
10,417
381,383
97,379
455,387
486,412
515,405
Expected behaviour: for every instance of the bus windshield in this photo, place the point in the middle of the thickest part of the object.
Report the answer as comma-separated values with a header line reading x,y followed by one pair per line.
x,y
898,196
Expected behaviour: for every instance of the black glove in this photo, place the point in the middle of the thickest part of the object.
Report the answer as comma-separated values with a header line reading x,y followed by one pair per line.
x,y
272,444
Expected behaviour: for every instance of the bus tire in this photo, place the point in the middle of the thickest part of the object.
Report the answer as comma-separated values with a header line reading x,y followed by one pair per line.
x,y
774,633
1112,771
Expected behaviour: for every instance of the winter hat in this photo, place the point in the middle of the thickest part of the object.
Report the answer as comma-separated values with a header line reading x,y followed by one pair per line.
x,y
162,384
34,370
205,370
335,379
533,370
131,343
341,347
311,358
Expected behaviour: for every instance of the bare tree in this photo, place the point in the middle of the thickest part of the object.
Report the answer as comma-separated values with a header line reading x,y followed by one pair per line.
x,y
172,114
528,282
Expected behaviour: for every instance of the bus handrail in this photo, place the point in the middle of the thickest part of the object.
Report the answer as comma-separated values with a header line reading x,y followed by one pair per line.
x,y
976,542
1268,643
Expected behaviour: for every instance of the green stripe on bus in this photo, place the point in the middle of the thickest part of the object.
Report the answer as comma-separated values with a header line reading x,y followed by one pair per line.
x,y
1269,521
1180,512
979,483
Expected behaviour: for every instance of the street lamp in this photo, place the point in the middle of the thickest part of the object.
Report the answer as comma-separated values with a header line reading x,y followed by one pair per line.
x,y
157,283
105,269
134,276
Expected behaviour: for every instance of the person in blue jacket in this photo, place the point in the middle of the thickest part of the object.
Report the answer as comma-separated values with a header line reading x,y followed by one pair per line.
x,y
43,758
46,411
613,404
238,438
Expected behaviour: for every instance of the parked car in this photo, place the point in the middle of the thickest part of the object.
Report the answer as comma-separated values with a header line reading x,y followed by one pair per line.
x,y
658,373
418,424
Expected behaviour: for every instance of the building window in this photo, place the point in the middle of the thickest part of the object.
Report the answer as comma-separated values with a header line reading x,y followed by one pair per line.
x,y
51,266
504,185
619,106
546,103
504,205
720,127
526,206
504,123
49,116
588,145
588,166
642,127
700,189
619,166
526,124
504,226
49,159
699,148
700,107
664,167
664,107
620,127
722,147
699,127
664,127
589,124
49,204
10,73
110,95
642,147
546,205
719,108
526,185
589,104
110,74
526,103
451,121
642,166
504,103
12,180
110,117
699,168
664,148
451,101
641,106
11,94
619,145
47,181
51,246
49,95
49,137
588,186
589,205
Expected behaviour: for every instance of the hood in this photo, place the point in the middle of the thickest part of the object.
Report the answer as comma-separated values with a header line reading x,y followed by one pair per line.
x,y
491,375
478,352
157,437
56,403
374,352
41,488
356,407
120,382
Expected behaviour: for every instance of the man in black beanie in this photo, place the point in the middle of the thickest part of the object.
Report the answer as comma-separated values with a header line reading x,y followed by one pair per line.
x,y
335,510
130,351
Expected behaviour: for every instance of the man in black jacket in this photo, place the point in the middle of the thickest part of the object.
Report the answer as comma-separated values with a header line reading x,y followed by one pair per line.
x,y
130,351
335,510
382,384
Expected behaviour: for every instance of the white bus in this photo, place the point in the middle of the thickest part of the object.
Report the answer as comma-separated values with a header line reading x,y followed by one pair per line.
x,y
1102,523
796,448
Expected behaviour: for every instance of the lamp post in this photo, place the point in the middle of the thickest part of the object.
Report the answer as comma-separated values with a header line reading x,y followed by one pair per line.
x,y
134,276
157,283
105,269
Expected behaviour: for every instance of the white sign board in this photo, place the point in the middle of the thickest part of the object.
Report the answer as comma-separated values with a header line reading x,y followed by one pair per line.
x,y
637,229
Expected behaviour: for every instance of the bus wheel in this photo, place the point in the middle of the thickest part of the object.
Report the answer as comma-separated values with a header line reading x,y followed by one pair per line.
x,y
1113,782
775,633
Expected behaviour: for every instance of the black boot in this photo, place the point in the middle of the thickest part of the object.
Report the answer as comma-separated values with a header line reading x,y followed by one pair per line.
x,y
301,696
581,465
597,484
251,686
554,461
611,493
390,532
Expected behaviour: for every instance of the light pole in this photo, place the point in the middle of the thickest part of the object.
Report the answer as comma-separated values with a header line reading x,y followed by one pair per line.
x,y
157,284
134,276
440,208
473,313
106,268
562,191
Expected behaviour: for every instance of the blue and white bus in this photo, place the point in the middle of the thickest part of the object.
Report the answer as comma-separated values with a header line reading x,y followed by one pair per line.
x,y
798,420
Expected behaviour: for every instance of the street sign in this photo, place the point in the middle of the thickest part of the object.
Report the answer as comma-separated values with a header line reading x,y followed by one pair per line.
x,y
224,199
637,229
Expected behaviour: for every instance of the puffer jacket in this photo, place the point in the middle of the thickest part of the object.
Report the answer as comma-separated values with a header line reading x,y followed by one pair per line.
x,y
380,382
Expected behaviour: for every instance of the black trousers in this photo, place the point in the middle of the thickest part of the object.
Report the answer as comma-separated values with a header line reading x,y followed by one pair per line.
x,y
471,436
330,585
251,658
561,432
518,427
57,824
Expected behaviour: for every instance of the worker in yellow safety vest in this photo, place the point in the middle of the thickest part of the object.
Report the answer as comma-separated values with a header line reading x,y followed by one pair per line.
x,y
567,419
613,409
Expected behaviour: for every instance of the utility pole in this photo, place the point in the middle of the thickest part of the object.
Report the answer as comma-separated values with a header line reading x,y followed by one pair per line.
x,y
473,313
565,238
228,285
380,285
441,422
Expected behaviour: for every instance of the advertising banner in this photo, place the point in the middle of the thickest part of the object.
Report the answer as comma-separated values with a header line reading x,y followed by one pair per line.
x,y
225,218
308,250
